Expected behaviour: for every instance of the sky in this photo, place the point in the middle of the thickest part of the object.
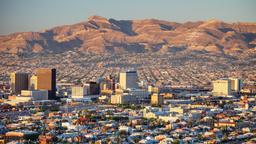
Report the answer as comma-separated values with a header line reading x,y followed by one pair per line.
x,y
36,15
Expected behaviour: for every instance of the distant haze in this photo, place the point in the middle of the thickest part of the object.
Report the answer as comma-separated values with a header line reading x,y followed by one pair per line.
x,y
35,15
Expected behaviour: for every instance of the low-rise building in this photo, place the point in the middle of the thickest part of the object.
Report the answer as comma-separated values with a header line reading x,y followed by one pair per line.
x,y
124,98
179,110
225,124
157,99
35,94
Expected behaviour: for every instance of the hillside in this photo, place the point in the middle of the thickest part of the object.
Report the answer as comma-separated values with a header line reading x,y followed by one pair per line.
x,y
100,35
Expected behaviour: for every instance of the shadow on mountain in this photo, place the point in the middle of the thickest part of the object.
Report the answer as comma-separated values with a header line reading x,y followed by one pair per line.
x,y
250,37
226,29
165,27
50,45
176,49
124,25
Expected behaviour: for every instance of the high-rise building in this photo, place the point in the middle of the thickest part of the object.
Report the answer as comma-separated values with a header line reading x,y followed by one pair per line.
x,y
236,84
46,80
93,87
110,83
19,81
157,99
221,87
128,80
79,91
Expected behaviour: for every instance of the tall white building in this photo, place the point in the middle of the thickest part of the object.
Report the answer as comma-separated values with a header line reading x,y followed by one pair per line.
x,y
128,80
79,91
221,87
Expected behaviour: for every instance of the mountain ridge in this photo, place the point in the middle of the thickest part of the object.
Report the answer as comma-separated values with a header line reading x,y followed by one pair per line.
x,y
101,35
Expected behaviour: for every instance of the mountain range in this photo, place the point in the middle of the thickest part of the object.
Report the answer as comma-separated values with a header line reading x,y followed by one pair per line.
x,y
101,35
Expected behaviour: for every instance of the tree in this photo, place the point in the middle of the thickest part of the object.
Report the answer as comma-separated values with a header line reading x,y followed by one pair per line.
x,y
176,142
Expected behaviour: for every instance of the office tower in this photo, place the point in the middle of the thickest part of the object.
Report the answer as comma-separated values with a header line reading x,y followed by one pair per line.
x,y
108,84
157,99
221,87
46,80
79,91
128,80
33,82
236,84
19,81
93,88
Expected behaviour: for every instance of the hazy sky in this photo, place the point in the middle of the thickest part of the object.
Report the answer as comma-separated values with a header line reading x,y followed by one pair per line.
x,y
35,15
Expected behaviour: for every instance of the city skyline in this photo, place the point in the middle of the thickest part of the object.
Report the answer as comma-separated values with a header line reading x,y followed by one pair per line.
x,y
124,115
119,72
17,16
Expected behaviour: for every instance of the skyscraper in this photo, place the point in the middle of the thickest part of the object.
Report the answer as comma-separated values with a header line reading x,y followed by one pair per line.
x,y
46,80
94,88
128,79
19,81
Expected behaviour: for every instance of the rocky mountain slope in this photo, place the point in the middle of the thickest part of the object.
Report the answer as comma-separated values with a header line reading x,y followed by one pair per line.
x,y
101,35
